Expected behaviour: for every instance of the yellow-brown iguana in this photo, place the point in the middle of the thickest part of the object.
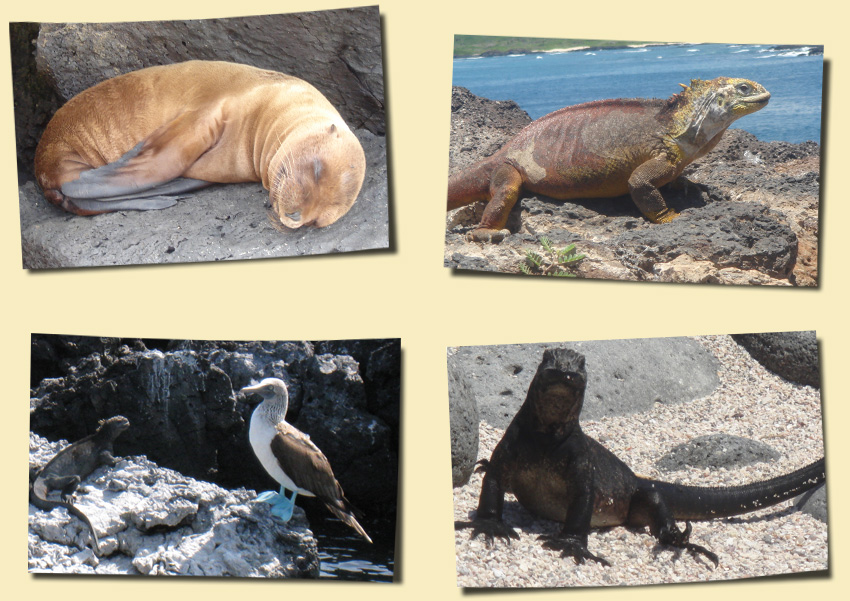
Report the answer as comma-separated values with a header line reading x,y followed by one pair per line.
x,y
604,149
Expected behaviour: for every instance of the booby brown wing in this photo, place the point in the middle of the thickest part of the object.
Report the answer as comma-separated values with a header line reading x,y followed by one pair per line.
x,y
309,469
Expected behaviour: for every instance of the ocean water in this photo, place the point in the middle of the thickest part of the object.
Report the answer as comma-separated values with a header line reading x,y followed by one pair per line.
x,y
343,555
544,82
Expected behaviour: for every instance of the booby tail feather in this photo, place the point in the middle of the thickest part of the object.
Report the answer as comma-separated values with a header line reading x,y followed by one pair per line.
x,y
342,509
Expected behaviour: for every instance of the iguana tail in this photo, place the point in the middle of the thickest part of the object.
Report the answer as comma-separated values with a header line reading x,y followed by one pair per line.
x,y
470,185
50,505
705,503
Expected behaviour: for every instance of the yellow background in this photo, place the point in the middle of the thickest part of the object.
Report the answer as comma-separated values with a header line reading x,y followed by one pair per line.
x,y
407,292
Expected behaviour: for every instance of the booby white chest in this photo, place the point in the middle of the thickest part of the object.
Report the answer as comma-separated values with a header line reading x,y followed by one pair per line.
x,y
261,433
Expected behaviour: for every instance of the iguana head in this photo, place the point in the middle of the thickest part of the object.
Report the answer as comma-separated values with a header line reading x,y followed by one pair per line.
x,y
706,108
556,394
112,427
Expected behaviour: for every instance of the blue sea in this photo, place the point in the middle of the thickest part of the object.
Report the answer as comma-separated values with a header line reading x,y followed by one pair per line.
x,y
541,83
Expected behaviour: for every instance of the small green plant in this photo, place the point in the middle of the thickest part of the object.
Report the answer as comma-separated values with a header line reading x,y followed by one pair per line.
x,y
552,262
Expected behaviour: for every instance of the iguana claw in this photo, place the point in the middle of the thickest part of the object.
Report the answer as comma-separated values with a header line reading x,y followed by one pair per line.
x,y
571,546
662,216
681,540
483,234
490,528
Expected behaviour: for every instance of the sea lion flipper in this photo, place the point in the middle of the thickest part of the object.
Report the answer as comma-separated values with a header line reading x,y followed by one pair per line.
x,y
85,206
154,165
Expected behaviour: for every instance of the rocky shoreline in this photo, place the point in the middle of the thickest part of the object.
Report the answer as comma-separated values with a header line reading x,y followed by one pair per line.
x,y
186,459
749,213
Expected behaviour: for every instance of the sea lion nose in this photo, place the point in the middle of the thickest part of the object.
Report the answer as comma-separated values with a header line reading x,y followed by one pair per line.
x,y
295,215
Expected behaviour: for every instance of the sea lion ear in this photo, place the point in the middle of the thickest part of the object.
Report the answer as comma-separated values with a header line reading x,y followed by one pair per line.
x,y
332,129
318,167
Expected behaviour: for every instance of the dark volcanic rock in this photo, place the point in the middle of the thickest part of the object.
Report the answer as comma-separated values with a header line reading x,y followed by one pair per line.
x,y
181,401
814,503
741,235
463,419
220,223
790,355
480,127
716,451
749,213
624,376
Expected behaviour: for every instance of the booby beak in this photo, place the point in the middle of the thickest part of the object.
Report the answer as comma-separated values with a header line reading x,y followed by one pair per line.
x,y
245,395
267,389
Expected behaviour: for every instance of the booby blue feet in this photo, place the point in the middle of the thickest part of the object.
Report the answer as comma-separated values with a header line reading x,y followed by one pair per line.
x,y
282,506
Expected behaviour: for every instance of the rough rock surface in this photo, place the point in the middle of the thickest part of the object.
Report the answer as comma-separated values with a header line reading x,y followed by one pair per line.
x,y
338,51
791,355
219,223
749,213
463,419
716,451
180,399
617,371
750,403
155,521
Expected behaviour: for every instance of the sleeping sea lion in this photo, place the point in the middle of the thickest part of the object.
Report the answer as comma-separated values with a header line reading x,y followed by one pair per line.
x,y
137,140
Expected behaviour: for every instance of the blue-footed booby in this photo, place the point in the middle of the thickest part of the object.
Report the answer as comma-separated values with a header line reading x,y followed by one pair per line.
x,y
291,458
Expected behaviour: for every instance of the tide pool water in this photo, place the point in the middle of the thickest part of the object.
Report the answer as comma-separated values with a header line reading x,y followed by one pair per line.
x,y
544,82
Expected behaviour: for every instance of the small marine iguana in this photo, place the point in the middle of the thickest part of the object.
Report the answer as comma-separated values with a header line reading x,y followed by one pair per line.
x,y
604,149
72,464
559,473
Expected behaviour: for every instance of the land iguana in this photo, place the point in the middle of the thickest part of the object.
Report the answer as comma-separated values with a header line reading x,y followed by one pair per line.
x,y
559,473
74,463
604,149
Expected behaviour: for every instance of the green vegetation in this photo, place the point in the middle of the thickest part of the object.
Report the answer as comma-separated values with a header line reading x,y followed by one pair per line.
x,y
553,262
475,45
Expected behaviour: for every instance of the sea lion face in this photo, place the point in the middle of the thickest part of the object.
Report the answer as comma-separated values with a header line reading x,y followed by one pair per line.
x,y
316,178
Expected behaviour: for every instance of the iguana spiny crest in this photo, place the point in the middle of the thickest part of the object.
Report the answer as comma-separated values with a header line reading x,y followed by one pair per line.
x,y
707,107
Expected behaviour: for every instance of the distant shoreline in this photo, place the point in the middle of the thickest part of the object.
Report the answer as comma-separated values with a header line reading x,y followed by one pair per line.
x,y
813,50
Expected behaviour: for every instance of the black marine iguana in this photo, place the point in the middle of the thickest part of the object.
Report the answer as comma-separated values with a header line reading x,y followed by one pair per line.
x,y
74,463
559,473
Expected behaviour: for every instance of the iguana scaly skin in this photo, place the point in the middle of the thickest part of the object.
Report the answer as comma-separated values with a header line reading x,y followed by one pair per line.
x,y
559,473
604,149
72,465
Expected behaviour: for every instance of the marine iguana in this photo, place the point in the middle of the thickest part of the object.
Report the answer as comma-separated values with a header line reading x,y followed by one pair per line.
x,y
559,473
606,148
72,464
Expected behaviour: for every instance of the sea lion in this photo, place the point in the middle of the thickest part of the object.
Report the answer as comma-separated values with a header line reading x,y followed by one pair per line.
x,y
136,140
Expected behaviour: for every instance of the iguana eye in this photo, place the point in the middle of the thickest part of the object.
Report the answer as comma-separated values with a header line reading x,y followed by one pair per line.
x,y
744,88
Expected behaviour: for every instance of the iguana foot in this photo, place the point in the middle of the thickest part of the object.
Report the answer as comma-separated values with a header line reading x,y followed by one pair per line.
x,y
490,528
681,539
483,234
570,546
662,216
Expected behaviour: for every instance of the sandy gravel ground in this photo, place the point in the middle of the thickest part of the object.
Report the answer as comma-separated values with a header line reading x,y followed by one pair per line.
x,y
750,402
